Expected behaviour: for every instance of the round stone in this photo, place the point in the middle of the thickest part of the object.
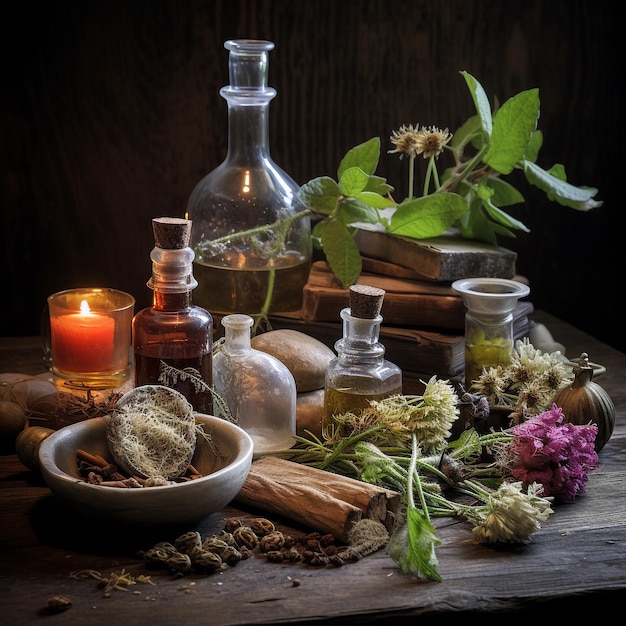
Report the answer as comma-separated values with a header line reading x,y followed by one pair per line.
x,y
310,413
306,357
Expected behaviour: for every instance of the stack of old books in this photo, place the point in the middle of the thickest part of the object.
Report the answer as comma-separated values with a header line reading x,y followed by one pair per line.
x,y
423,316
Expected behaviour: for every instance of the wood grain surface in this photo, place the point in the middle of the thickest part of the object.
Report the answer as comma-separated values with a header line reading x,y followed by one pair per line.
x,y
576,561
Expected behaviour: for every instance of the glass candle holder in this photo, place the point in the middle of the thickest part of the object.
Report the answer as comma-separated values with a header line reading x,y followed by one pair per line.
x,y
90,336
488,322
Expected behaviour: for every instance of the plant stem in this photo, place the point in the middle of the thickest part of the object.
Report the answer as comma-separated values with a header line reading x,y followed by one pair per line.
x,y
411,175
282,225
468,168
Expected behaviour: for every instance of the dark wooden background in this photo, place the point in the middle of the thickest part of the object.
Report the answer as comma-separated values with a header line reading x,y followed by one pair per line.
x,y
110,114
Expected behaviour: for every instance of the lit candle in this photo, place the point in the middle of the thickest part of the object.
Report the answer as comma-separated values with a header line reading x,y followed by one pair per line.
x,y
83,342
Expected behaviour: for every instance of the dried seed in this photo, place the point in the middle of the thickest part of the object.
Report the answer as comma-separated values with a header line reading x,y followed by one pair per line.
x,y
156,556
262,526
168,547
207,562
231,556
245,536
57,604
274,556
226,537
188,542
274,541
179,563
292,555
213,544
232,523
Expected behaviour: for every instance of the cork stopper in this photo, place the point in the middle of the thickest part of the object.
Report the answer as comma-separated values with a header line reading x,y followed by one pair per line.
x,y
171,233
366,302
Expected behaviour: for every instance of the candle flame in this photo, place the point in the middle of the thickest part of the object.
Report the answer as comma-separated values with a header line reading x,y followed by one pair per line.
x,y
84,307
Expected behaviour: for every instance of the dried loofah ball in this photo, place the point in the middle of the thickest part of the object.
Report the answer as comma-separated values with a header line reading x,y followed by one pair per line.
x,y
152,432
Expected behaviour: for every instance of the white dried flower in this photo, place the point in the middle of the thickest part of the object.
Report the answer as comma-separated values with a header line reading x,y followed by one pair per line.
x,y
510,515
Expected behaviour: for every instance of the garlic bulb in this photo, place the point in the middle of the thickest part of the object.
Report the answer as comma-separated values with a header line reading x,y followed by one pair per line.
x,y
584,402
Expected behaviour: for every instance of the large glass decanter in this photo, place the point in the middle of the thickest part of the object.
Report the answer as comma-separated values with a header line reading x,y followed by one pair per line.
x,y
238,261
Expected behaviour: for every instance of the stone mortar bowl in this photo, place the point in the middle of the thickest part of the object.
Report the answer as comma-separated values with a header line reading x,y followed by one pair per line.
x,y
224,466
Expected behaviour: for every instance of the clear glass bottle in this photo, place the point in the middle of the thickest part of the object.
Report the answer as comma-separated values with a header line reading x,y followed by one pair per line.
x,y
359,373
488,322
174,332
246,191
259,390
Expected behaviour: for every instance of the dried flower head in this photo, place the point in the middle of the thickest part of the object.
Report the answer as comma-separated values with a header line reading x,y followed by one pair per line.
x,y
528,385
547,450
430,416
510,515
431,141
406,140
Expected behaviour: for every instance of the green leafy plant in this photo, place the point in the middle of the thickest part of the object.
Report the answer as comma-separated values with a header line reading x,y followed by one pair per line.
x,y
470,196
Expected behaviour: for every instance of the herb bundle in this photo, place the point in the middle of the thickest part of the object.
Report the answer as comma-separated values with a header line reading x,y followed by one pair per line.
x,y
477,477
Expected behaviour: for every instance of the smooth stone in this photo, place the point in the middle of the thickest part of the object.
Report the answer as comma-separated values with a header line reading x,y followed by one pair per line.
x,y
306,357
310,413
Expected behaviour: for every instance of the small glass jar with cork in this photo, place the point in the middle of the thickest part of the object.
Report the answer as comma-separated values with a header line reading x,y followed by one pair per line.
x,y
360,373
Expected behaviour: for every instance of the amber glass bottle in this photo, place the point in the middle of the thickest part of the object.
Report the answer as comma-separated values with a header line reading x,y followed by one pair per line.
x,y
173,339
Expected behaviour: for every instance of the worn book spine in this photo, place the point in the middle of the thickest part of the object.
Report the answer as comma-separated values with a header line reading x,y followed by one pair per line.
x,y
413,349
408,302
445,312
443,258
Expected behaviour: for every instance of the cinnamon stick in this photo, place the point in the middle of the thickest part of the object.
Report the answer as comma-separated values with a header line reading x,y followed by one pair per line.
x,y
92,459
321,500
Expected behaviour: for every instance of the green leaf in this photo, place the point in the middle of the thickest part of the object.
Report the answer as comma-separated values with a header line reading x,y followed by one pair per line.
x,y
375,200
364,156
534,145
579,198
481,102
428,216
467,446
353,210
463,135
475,225
353,181
412,547
341,252
377,184
558,171
320,195
513,125
503,218
504,194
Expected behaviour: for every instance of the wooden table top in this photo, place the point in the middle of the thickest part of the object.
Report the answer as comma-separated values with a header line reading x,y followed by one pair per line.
x,y
580,552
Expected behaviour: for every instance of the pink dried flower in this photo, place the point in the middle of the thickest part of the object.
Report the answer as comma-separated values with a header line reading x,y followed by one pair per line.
x,y
556,454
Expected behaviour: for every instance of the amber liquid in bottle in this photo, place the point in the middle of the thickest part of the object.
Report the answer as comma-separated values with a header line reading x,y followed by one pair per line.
x,y
350,399
359,373
227,289
173,339
242,257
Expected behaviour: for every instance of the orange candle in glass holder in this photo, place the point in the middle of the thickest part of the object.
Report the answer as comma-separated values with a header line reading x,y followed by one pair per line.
x,y
83,342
